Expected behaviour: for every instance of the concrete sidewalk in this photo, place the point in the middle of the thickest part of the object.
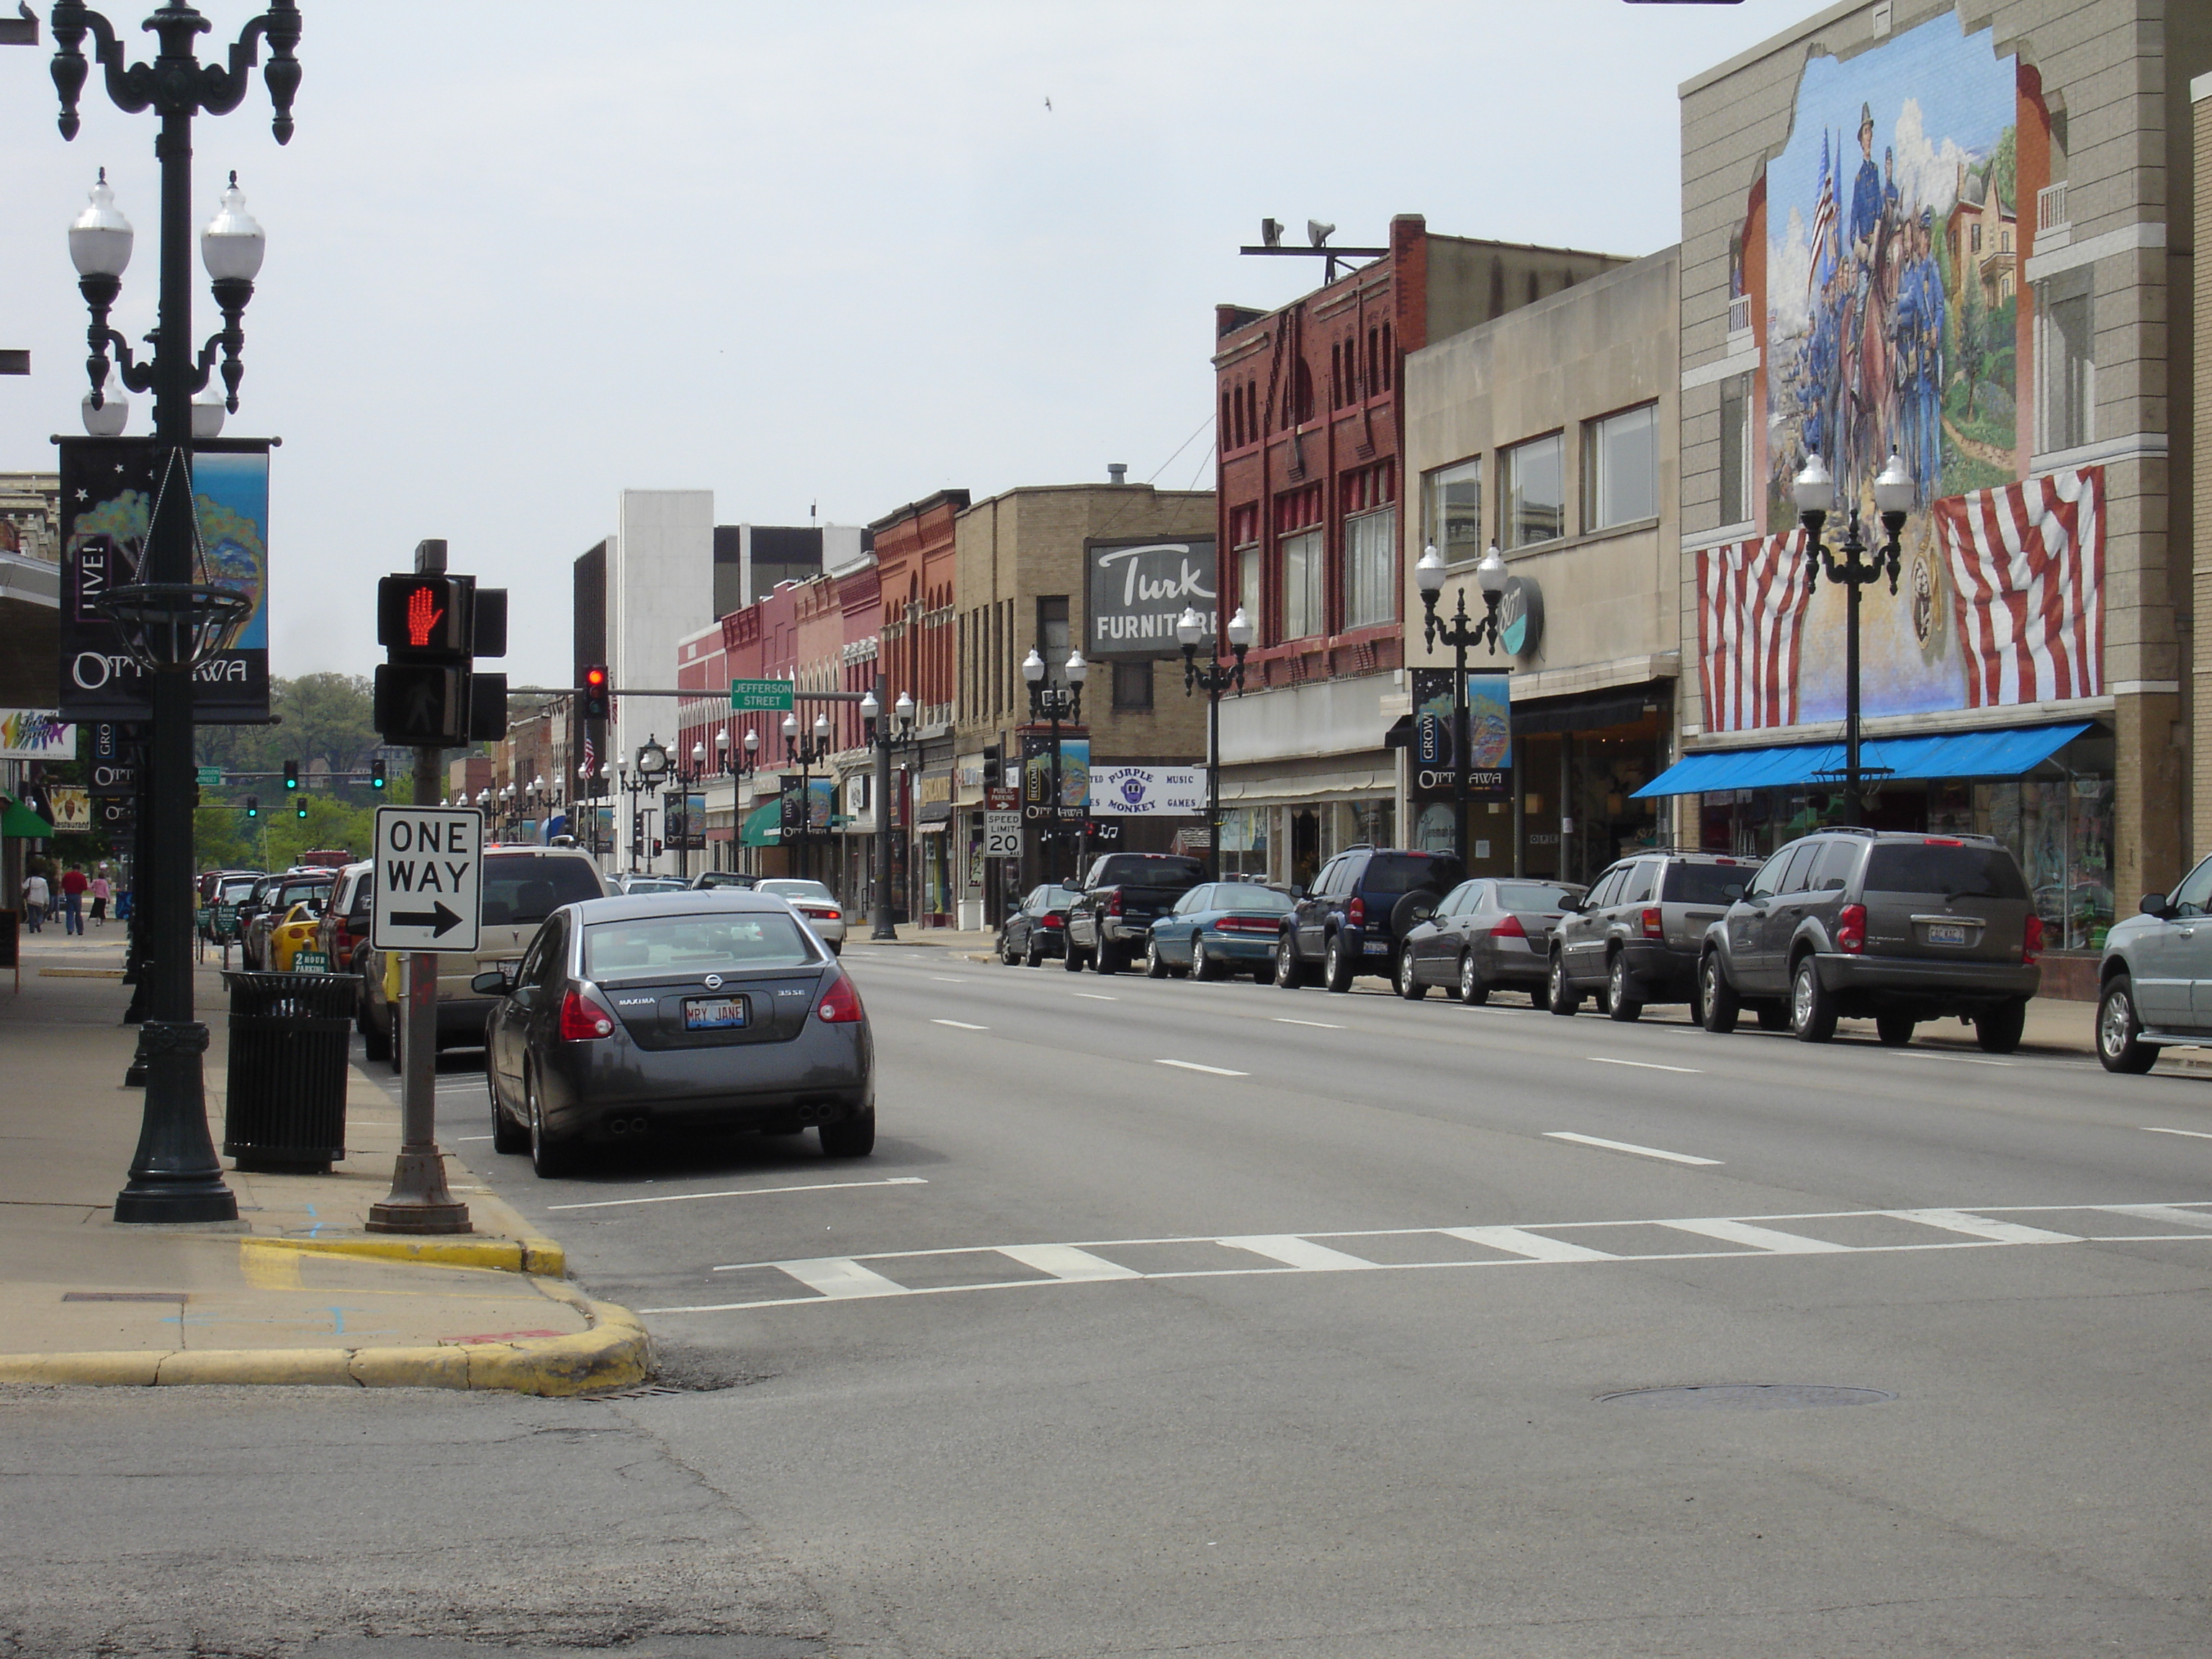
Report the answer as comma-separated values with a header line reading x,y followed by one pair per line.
x,y
296,1290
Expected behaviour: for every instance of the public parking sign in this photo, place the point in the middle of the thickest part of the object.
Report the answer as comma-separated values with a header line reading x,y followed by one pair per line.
x,y
1002,835
428,877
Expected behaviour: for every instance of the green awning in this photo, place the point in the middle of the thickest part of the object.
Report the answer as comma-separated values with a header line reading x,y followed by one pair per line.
x,y
764,827
20,822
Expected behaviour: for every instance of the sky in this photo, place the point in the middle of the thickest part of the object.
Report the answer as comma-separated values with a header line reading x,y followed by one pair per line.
x,y
826,258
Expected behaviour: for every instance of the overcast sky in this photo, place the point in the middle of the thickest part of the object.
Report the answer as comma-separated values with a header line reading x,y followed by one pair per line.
x,y
837,255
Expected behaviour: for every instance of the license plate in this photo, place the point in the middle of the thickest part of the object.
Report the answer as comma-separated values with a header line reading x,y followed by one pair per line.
x,y
713,1013
1377,947
1947,932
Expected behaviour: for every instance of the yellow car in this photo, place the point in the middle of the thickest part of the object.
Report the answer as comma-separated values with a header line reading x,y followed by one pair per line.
x,y
296,933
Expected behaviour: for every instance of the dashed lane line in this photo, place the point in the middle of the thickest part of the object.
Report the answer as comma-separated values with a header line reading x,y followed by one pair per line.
x,y
1193,1066
1319,1024
1644,1065
2194,1134
1762,1237
1629,1147
743,1192
1095,996
960,1025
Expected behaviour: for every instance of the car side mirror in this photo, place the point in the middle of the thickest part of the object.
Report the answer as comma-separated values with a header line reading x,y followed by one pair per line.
x,y
1572,906
493,983
2157,904
1733,890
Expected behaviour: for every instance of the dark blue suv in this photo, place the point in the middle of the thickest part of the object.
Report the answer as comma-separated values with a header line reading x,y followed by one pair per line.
x,y
1356,918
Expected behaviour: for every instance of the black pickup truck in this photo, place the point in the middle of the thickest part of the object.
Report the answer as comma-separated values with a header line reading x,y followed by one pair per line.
x,y
1116,903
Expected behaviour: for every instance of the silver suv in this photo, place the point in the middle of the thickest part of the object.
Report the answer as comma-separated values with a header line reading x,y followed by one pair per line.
x,y
2154,982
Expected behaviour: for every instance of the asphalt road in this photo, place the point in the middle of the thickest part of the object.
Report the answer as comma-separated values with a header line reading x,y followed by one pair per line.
x,y
1221,1319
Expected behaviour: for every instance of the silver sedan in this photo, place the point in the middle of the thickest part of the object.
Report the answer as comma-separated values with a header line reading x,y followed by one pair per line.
x,y
816,902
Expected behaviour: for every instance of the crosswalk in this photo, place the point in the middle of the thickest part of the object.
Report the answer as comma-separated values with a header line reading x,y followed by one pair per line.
x,y
816,1281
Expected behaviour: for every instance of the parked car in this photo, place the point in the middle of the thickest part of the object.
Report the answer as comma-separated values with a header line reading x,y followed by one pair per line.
x,y
1492,933
2155,979
1637,935
813,902
1221,928
249,903
670,1014
521,886
709,879
1363,902
294,932
219,887
312,887
1116,904
342,934
636,881
1905,927
1035,926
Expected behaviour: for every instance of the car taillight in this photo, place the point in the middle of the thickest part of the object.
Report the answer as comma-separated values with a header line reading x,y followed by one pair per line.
x,y
1655,925
1850,927
1355,912
582,1020
1509,928
2031,940
1050,920
840,1004
830,915
1113,903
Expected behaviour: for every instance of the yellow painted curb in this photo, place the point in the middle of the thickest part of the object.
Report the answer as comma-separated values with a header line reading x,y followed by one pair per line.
x,y
614,1354
539,1257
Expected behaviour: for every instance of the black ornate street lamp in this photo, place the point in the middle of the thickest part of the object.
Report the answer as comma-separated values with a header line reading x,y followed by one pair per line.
x,y
886,738
650,767
1463,633
805,753
1054,703
1213,679
174,620
1815,491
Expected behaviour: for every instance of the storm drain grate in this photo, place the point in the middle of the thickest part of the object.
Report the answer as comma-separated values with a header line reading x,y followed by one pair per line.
x,y
123,1295
1746,1396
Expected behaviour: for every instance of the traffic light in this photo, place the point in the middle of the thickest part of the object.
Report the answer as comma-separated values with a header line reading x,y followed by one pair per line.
x,y
595,692
253,806
638,826
432,626
302,808
291,776
994,766
376,775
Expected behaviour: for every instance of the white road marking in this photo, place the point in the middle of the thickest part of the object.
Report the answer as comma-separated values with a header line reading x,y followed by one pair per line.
x,y
948,979
1193,1066
1629,1147
1095,996
1948,1059
2194,1134
1295,1252
1322,1025
746,1191
458,1140
1644,1065
960,1025
1746,1238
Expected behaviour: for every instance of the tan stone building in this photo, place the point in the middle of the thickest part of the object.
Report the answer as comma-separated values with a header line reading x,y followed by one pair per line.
x,y
1058,569
1942,232
1549,433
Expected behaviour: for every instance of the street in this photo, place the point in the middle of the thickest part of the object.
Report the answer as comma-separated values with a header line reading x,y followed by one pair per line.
x,y
1140,1332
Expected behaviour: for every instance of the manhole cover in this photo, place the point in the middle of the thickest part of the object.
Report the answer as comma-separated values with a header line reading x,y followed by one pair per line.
x,y
1747,1396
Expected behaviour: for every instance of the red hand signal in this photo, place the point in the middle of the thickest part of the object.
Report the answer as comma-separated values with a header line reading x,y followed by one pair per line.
x,y
423,614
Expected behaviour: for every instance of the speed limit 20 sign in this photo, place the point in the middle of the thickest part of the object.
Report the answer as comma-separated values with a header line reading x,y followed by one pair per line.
x,y
1002,835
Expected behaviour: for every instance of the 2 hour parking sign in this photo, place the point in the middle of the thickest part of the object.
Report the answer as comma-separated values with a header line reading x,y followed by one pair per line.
x,y
429,879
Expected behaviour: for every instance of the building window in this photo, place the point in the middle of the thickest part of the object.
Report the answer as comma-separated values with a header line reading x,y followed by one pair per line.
x,y
1534,488
1620,468
1248,582
1052,631
1452,505
1302,568
1735,449
1370,569
2069,361
1133,685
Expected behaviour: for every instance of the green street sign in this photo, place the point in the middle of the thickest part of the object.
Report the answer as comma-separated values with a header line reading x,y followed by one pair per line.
x,y
772,696
209,777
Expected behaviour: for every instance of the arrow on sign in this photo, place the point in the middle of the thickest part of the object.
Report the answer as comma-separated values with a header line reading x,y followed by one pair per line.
x,y
437,919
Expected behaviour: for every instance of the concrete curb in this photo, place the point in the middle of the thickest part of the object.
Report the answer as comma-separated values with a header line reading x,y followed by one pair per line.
x,y
539,1257
615,1353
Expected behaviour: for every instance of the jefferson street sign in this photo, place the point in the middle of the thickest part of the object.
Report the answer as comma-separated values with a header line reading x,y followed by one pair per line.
x,y
770,696
429,879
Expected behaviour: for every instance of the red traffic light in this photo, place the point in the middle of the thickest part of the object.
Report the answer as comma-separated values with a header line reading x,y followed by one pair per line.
x,y
595,680
595,690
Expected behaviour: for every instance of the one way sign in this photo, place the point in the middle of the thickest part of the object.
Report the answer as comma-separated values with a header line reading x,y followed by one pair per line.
x,y
429,879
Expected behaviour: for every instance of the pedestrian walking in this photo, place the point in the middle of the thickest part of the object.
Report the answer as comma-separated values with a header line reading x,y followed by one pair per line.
x,y
35,900
74,883
102,891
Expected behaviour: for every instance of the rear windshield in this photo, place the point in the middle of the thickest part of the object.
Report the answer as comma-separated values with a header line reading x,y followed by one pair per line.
x,y
1402,872
519,889
1956,871
648,944
313,891
1050,898
231,891
1705,883
1147,869
1528,895
1250,895
786,889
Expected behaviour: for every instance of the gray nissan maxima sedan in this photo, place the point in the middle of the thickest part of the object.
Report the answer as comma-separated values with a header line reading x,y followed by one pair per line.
x,y
646,1018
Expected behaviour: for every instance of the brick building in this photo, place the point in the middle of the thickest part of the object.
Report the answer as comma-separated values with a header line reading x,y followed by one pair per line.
x,y
914,560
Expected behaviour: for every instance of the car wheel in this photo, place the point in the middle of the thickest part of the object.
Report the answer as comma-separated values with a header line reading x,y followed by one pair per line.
x,y
1717,1007
1812,1008
1472,990
1155,965
1202,966
1335,966
2120,1047
1892,1030
1108,958
506,1135
1288,974
854,1138
1998,1030
1409,984
549,1158
1560,996
1621,1003
1073,960
1033,955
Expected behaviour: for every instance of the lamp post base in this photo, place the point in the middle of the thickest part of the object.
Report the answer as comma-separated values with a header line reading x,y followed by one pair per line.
x,y
175,1175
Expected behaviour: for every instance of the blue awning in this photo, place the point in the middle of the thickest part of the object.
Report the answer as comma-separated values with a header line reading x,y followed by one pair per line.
x,y
2003,752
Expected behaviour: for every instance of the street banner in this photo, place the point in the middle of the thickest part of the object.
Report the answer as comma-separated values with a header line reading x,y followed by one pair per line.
x,y
683,820
108,487
1490,728
1074,775
821,799
36,734
1148,792
1138,592
69,809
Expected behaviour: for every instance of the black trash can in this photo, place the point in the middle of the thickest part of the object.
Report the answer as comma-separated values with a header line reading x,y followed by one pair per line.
x,y
284,1108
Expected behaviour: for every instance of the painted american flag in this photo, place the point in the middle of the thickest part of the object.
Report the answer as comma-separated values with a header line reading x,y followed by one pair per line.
x,y
1751,619
2026,563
